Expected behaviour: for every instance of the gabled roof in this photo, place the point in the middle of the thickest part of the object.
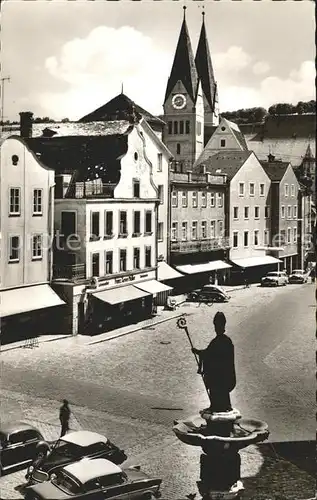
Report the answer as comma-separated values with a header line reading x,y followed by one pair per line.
x,y
121,107
184,68
275,169
156,139
226,162
72,129
204,67
236,132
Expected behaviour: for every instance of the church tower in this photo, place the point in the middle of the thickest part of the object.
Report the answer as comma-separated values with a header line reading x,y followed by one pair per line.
x,y
184,105
206,76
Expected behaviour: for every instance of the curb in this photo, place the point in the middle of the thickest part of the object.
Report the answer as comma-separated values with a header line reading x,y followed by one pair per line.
x,y
10,347
115,336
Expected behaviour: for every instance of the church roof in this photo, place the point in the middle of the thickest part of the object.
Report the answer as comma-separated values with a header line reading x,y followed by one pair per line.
x,y
204,67
237,133
275,169
184,68
226,162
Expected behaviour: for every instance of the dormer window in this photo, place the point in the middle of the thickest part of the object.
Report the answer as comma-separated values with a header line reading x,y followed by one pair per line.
x,y
15,159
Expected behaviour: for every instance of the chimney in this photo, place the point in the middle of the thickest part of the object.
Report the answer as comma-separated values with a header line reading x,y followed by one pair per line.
x,y
189,173
203,169
26,121
208,177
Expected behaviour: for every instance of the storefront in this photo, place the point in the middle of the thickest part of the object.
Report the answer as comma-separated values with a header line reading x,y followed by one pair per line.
x,y
199,275
252,269
170,277
160,291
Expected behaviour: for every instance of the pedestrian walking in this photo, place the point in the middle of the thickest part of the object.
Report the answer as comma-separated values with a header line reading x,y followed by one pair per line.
x,y
64,416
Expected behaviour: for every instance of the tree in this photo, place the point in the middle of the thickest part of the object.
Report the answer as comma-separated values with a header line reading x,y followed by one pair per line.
x,y
65,120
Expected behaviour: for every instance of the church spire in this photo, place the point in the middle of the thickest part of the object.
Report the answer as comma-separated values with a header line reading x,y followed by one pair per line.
x,y
183,68
205,70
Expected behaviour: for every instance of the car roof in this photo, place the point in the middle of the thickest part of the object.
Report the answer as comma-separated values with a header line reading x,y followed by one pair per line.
x,y
84,438
10,427
88,469
298,271
215,287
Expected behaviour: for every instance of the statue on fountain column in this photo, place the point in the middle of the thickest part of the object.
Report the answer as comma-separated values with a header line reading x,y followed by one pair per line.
x,y
216,364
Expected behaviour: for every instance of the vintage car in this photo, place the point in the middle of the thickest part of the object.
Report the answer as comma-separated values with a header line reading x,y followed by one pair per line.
x,y
73,447
298,276
275,278
208,293
18,445
96,479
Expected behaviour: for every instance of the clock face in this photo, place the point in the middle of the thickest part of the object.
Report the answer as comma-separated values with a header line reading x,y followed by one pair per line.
x,y
179,101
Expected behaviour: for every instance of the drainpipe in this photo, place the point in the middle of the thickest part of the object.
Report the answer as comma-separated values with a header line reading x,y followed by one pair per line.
x,y
50,227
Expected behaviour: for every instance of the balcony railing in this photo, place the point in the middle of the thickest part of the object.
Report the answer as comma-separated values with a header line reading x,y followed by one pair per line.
x,y
200,245
92,189
72,272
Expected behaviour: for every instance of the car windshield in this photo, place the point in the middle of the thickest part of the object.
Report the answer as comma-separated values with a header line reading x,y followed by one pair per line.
x,y
298,271
272,274
67,449
66,482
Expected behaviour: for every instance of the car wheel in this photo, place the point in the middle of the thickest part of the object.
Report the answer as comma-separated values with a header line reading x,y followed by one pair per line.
x,y
148,496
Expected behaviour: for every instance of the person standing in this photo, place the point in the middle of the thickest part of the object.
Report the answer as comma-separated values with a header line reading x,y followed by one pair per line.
x,y
64,416
216,364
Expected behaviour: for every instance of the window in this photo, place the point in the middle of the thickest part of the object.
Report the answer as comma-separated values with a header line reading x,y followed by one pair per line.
x,y
160,231
174,234
288,235
212,229
241,188
266,237
95,226
262,189
136,258
123,229
37,247
203,199
222,143
212,199
17,437
159,162
293,190
170,128
220,227
109,262
286,189
246,238
246,212
95,264
282,240
198,125
295,234
136,223
175,127
195,199
289,211
295,211
14,208
108,223
251,189
204,229
122,260
256,212
136,156
235,213
187,127
178,148
14,249
148,221
181,127
267,211
184,199
136,188
235,239
256,238
148,260
174,199
283,212
184,231
68,223
220,200
161,193
37,201
194,230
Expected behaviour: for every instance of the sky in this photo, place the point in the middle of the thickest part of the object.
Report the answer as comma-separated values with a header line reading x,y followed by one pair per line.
x,y
65,59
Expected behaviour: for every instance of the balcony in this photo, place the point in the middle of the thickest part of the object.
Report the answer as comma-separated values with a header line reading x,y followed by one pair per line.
x,y
200,245
92,189
73,272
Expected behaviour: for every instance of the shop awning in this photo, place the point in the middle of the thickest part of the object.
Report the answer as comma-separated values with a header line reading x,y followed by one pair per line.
x,y
166,272
120,294
256,261
153,286
205,267
28,298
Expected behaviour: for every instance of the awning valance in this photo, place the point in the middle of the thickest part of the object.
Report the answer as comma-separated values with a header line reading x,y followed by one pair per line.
x,y
28,298
256,261
205,267
153,286
120,294
166,272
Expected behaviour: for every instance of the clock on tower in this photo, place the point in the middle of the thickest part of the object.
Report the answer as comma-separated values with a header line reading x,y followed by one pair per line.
x,y
179,101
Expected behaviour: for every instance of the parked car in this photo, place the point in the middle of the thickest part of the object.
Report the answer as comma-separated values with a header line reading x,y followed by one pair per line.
x,y
96,479
73,447
275,278
208,293
18,444
298,276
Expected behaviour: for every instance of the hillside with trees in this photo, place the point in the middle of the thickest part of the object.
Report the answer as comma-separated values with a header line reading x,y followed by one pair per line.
x,y
257,115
